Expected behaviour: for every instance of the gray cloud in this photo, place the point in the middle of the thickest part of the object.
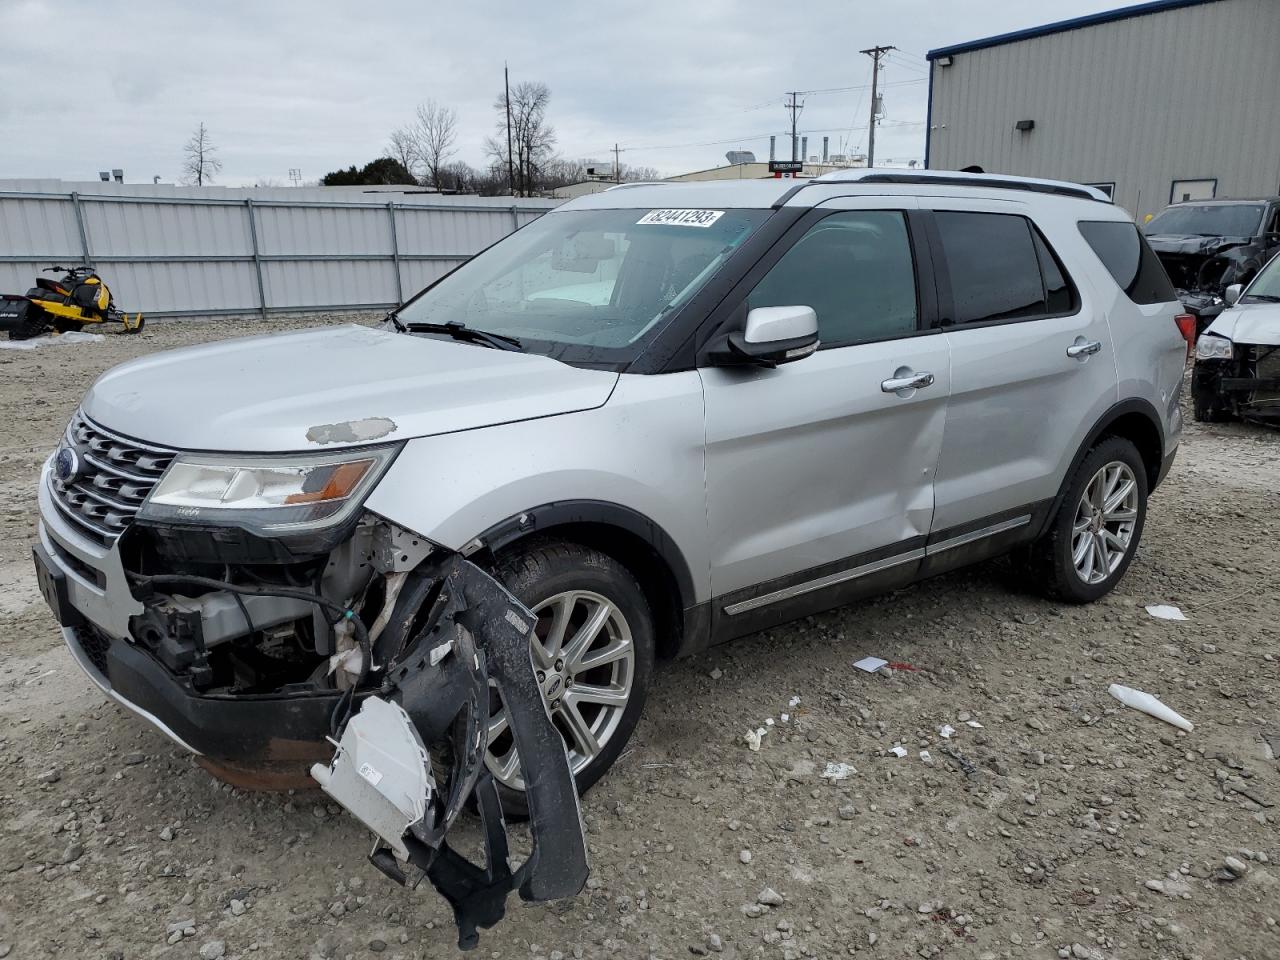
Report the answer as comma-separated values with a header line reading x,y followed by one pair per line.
x,y
320,84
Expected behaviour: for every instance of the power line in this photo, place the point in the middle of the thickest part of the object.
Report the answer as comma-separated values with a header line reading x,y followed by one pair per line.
x,y
860,86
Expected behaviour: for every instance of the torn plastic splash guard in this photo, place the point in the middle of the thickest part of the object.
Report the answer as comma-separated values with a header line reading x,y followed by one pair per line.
x,y
434,701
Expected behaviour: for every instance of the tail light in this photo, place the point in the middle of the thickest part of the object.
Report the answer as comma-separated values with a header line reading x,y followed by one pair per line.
x,y
1186,325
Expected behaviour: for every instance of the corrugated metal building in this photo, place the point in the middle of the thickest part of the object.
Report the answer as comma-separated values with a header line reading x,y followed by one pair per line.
x,y
1164,101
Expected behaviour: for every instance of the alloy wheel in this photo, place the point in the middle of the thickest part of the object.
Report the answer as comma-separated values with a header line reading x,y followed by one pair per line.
x,y
1106,516
584,661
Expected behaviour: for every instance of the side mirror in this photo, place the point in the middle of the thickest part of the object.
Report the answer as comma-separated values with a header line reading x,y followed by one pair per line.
x,y
1232,293
772,335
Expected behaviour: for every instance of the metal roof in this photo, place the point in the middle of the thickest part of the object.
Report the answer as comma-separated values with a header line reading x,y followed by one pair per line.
x,y
1062,26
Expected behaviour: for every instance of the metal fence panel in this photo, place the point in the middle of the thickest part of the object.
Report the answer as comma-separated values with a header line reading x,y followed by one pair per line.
x,y
206,251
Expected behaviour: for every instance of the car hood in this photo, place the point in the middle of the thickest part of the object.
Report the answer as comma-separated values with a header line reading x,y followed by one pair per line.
x,y
1181,244
333,387
1249,323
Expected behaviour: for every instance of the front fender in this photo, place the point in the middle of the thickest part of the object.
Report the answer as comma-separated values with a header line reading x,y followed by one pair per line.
x,y
641,453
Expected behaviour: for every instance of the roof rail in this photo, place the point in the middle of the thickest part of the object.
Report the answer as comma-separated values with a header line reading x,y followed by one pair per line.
x,y
949,178
993,182
635,183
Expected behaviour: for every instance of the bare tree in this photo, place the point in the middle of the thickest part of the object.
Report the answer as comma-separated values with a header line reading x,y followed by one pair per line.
x,y
200,164
435,131
532,138
404,148
640,174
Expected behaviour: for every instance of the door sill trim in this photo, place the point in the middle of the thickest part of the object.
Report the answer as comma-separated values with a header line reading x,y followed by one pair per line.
x,y
1004,526
876,566
830,580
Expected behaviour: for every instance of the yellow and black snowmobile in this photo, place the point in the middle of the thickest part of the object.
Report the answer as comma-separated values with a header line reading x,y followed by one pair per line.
x,y
78,300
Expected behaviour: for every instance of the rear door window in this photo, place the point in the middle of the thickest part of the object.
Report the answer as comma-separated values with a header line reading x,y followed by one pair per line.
x,y
1125,254
1001,268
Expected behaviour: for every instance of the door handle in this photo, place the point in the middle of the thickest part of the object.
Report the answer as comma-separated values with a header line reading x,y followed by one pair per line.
x,y
1083,349
911,381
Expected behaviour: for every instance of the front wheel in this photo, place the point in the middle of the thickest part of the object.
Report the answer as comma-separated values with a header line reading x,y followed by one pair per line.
x,y
592,655
1092,538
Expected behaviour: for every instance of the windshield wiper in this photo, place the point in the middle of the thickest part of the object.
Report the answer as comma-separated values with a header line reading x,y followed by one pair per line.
x,y
458,331
1264,297
393,318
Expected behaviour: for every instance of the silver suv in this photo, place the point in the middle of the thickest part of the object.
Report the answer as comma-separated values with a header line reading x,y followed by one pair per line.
x,y
661,417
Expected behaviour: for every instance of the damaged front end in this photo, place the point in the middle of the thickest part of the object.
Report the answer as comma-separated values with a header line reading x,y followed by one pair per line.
x,y
1201,268
265,654
1242,380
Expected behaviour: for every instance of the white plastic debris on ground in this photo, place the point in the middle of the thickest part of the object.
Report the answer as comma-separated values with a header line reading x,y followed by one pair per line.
x,y
974,724
927,757
60,340
1148,704
871,664
947,731
898,751
838,771
755,737
1164,611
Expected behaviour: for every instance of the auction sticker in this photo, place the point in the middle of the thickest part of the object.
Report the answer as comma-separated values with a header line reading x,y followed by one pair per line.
x,y
682,218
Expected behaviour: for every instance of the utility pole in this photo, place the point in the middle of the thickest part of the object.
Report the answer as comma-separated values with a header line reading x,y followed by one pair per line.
x,y
876,54
795,107
506,86
617,164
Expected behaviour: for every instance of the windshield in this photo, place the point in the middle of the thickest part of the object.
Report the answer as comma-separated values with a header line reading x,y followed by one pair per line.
x,y
587,285
1266,285
1207,220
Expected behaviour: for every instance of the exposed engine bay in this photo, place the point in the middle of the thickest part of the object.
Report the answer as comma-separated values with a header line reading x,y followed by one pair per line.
x,y
1202,261
402,647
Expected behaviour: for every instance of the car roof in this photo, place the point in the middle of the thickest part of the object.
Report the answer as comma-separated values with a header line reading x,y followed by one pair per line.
x,y
774,192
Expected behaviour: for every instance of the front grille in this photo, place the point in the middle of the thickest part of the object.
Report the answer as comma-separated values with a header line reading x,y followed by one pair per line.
x,y
95,644
114,476
1266,366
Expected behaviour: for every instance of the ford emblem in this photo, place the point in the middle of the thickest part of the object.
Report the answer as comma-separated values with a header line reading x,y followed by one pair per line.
x,y
66,465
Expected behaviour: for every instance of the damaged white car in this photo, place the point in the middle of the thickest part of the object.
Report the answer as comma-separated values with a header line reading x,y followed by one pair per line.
x,y
1237,371
657,418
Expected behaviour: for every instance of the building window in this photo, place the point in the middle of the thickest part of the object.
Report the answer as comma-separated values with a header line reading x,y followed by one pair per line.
x,y
1202,189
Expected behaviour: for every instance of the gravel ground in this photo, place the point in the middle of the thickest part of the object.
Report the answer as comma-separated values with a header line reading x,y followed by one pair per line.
x,y
1084,829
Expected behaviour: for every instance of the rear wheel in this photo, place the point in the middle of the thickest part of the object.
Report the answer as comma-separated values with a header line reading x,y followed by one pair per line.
x,y
1092,538
592,655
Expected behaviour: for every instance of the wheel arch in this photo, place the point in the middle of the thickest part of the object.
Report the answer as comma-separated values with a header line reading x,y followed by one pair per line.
x,y
637,542
1134,420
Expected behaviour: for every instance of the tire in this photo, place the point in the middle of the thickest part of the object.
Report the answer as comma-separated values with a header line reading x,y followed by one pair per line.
x,y
1205,410
555,578
1052,560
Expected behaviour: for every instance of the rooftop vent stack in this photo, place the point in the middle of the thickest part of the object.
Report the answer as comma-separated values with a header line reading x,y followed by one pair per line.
x,y
804,147
824,148
104,176
118,175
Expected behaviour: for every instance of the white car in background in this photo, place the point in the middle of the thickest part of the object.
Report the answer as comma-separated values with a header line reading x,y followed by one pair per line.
x,y
1237,372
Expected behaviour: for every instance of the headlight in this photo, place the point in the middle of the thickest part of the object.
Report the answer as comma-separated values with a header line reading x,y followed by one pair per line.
x,y
1212,347
270,496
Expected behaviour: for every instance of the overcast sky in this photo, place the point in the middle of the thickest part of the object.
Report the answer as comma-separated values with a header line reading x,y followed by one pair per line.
x,y
86,85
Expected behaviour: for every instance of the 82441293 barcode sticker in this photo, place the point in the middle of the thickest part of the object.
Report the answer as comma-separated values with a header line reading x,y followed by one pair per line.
x,y
681,218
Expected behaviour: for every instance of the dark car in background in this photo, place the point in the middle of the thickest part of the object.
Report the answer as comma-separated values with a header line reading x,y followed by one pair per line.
x,y
1208,245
